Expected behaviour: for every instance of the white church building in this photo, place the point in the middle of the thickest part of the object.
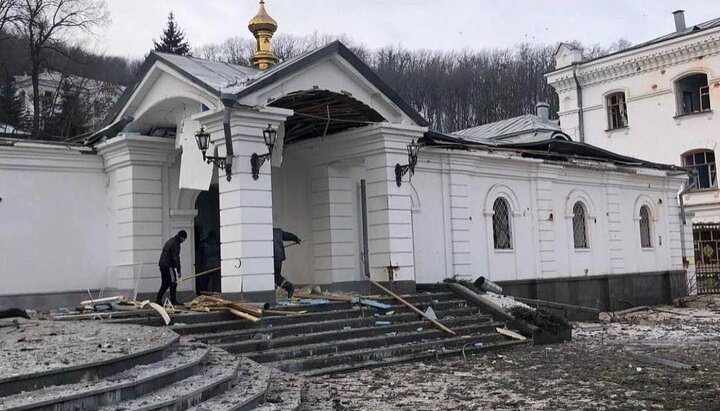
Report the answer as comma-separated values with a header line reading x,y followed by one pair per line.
x,y
522,205
656,100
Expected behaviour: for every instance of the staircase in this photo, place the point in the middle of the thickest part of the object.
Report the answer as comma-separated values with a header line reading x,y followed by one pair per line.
x,y
223,363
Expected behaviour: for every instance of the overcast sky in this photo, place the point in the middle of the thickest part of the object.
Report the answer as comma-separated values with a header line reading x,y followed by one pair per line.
x,y
430,24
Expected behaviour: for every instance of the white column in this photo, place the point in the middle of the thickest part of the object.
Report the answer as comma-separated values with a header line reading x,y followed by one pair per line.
x,y
334,224
390,231
135,191
245,204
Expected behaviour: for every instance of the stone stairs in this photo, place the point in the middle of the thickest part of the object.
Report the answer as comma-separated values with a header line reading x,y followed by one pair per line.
x,y
224,363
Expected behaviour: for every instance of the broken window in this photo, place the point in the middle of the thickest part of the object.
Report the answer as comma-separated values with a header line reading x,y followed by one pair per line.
x,y
645,238
617,111
693,94
501,225
703,161
579,222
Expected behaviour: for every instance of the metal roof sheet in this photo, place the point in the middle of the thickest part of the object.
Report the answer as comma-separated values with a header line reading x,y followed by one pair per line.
x,y
222,77
528,127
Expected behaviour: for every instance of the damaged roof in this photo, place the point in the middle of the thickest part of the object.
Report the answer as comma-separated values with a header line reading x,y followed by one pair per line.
x,y
525,128
550,149
218,78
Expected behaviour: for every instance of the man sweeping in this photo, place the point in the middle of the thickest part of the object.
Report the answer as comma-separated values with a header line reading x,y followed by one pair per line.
x,y
279,238
170,267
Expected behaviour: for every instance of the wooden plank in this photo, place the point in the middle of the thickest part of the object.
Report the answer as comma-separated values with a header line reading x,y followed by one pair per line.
x,y
243,315
632,310
199,274
280,312
329,297
249,309
511,334
412,307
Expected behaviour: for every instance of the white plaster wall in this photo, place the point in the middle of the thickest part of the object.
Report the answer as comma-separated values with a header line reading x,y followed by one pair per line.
x,y
53,221
543,247
655,132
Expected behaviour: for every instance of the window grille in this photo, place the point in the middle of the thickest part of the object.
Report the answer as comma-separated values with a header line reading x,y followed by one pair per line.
x,y
703,161
617,111
579,221
645,239
501,225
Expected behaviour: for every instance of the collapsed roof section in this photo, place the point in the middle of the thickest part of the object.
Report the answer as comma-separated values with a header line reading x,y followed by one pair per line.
x,y
551,150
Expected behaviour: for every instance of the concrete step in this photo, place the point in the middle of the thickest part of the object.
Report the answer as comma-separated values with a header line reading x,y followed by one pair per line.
x,y
213,378
380,353
306,328
183,360
89,371
251,346
419,356
245,392
359,311
335,347
284,392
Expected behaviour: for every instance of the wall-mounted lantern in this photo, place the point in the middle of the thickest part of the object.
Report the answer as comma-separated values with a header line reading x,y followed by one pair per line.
x,y
202,138
413,149
257,160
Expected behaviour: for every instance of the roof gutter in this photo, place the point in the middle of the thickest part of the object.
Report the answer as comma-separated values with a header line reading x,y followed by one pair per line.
x,y
228,101
581,117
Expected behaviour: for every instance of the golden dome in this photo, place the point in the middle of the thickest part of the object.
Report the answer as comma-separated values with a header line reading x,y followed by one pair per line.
x,y
262,21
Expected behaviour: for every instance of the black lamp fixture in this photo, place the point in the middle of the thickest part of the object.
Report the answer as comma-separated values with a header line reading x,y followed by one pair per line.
x,y
257,160
413,148
202,138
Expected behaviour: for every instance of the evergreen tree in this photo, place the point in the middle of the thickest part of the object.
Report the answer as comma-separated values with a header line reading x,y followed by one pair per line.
x,y
173,39
11,107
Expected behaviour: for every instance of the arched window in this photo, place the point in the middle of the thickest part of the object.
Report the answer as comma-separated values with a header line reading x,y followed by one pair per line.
x,y
579,222
645,237
703,161
501,225
616,110
692,94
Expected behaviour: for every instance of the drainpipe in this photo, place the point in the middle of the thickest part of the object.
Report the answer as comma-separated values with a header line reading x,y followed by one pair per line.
x,y
581,120
228,101
683,219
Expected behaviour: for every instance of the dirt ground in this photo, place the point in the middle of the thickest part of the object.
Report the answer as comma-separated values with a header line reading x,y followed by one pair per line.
x,y
665,359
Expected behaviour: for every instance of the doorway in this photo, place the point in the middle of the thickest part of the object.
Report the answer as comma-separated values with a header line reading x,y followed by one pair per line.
x,y
207,240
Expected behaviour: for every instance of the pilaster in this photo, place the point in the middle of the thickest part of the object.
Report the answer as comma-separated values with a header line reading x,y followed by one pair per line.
x,y
246,221
135,189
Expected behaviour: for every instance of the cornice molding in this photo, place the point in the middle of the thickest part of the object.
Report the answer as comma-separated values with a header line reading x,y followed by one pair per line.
x,y
641,61
127,150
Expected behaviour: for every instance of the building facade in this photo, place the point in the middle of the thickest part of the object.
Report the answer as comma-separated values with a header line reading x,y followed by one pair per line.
x,y
547,217
656,100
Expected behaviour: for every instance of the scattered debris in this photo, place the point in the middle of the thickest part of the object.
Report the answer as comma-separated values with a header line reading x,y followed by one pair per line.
x,y
511,334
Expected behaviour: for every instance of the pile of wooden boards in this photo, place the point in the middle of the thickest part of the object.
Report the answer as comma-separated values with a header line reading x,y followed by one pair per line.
x,y
246,310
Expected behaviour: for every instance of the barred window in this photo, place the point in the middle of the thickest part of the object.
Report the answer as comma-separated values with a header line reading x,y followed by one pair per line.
x,y
579,222
501,225
645,238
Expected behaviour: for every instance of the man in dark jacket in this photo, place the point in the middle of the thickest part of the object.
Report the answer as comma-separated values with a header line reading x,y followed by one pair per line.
x,y
279,238
170,267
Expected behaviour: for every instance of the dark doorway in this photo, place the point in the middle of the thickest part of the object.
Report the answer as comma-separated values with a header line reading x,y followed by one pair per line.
x,y
207,240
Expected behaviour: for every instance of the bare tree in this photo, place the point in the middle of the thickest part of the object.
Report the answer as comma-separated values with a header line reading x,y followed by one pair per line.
x,y
43,25
8,9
